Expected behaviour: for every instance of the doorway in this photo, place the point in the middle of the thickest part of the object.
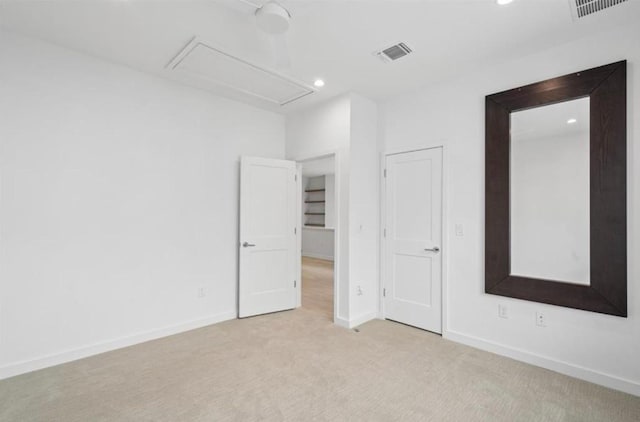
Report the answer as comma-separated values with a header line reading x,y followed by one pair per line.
x,y
318,234
412,242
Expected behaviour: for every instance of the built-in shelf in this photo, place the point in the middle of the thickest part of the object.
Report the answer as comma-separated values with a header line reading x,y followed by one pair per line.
x,y
315,202
307,227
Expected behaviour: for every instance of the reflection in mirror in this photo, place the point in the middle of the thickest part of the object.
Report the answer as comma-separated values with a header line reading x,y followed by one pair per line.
x,y
549,210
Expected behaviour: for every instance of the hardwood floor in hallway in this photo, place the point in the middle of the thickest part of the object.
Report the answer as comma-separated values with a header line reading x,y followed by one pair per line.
x,y
317,286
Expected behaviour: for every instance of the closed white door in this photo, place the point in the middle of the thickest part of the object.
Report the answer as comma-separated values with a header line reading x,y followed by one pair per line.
x,y
413,256
267,236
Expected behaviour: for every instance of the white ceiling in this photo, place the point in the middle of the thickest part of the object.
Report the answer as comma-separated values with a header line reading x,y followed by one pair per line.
x,y
331,39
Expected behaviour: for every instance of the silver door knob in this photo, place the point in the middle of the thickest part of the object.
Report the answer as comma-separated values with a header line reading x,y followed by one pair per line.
x,y
248,245
434,249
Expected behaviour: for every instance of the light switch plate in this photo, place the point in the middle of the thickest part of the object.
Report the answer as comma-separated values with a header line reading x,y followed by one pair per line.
x,y
503,312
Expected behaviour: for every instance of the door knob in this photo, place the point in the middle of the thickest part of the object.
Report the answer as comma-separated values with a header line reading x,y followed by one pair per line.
x,y
248,245
434,249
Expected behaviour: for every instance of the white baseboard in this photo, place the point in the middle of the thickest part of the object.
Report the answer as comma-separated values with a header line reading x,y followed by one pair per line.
x,y
565,368
359,320
317,256
354,322
342,322
30,365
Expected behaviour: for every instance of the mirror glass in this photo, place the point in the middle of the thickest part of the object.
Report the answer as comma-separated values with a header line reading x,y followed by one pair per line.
x,y
549,192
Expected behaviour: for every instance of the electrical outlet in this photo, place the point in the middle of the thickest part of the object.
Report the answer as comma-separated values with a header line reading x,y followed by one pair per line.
x,y
503,312
541,320
201,292
359,290
459,230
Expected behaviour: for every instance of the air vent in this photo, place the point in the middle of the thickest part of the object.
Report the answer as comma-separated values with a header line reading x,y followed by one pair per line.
x,y
394,52
212,66
582,8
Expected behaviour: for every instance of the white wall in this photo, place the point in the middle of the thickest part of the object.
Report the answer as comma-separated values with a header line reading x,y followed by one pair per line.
x,y
119,200
318,242
319,130
597,347
330,204
364,206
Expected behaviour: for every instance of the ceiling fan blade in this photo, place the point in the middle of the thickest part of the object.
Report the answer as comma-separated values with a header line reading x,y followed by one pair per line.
x,y
255,4
246,7
281,52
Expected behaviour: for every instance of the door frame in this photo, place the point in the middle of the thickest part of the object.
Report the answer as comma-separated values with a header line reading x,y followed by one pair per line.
x,y
337,262
445,232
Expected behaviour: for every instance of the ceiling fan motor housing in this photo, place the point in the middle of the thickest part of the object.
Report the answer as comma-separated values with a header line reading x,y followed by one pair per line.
x,y
273,18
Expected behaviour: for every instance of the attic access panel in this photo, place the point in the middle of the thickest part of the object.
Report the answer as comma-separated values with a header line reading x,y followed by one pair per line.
x,y
213,65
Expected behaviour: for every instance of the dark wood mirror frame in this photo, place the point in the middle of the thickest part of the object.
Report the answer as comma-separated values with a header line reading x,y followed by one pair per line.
x,y
606,88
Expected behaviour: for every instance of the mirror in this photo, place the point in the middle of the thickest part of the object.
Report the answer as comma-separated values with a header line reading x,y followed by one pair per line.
x,y
549,173
555,191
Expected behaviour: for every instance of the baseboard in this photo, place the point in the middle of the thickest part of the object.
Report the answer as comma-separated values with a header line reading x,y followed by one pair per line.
x,y
359,320
30,365
354,322
317,256
565,368
342,322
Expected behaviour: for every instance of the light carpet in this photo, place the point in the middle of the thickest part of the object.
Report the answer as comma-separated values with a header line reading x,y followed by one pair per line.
x,y
298,366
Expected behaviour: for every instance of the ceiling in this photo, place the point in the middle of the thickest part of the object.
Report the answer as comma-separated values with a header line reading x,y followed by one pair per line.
x,y
329,39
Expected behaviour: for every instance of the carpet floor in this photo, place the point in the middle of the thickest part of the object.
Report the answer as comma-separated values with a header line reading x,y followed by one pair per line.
x,y
298,366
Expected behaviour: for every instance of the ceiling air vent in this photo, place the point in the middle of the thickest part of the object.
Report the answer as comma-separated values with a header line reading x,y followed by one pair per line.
x,y
582,8
394,52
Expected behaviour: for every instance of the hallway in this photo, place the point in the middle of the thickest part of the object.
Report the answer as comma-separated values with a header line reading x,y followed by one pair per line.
x,y
317,286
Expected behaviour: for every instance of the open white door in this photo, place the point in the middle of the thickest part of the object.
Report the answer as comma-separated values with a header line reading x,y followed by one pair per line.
x,y
267,236
413,260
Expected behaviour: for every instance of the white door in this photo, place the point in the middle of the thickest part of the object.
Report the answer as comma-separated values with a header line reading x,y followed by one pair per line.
x,y
267,236
413,258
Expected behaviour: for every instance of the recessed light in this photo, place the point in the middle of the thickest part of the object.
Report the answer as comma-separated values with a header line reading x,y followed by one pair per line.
x,y
503,2
571,121
318,83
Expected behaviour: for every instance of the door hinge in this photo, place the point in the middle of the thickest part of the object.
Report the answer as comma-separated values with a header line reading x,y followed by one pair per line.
x,y
295,177
385,172
384,292
295,230
384,232
295,283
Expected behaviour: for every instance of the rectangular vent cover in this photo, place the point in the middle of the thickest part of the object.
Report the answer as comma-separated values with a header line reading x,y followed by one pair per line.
x,y
212,65
582,8
394,52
